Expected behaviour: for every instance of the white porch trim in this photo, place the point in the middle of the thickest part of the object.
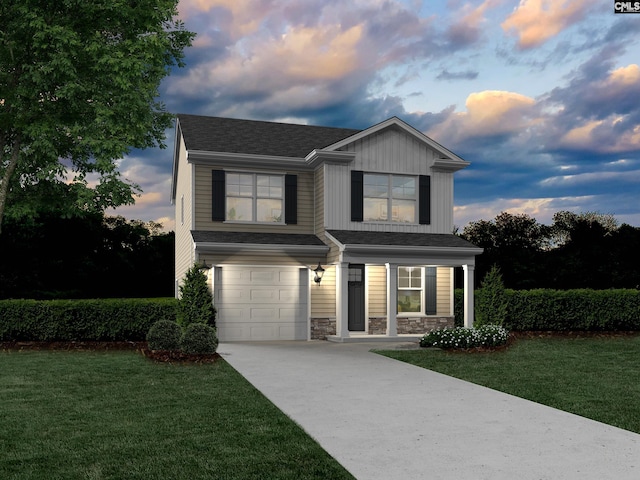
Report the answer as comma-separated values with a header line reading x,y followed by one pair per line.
x,y
342,299
468,294
392,299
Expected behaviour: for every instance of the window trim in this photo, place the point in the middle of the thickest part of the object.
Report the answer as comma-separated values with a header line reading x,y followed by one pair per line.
x,y
254,197
390,198
424,308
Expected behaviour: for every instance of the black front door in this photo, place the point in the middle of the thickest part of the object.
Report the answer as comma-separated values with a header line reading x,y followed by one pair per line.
x,y
356,298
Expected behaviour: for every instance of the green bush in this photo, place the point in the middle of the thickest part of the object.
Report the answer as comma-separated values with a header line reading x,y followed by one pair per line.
x,y
83,320
564,310
594,310
461,338
196,302
198,339
164,335
491,301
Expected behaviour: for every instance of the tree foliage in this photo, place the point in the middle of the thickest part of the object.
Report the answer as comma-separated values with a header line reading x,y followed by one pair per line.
x,y
79,90
85,257
586,250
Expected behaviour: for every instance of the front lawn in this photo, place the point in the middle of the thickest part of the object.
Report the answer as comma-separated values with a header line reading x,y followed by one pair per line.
x,y
597,377
114,415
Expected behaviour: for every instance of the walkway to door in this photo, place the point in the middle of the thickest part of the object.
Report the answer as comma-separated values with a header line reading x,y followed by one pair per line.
x,y
382,418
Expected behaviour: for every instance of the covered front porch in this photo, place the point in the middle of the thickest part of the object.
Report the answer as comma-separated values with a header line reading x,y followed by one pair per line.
x,y
397,287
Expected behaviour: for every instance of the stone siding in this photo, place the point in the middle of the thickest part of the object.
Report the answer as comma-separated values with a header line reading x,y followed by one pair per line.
x,y
410,325
322,327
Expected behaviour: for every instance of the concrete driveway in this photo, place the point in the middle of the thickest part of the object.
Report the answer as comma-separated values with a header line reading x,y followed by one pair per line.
x,y
384,419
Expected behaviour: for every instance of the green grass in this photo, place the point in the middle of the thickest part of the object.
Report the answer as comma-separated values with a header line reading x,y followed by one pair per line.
x,y
117,415
598,378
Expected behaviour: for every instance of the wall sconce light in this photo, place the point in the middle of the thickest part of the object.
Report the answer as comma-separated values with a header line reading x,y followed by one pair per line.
x,y
203,267
319,272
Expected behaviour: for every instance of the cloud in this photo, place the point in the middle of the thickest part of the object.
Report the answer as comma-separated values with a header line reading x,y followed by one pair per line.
x,y
489,113
466,75
536,21
469,29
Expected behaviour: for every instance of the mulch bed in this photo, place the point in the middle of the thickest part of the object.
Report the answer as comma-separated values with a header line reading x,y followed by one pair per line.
x,y
156,356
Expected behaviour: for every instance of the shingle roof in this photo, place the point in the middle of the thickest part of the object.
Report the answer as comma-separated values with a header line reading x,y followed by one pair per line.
x,y
347,237
215,134
203,236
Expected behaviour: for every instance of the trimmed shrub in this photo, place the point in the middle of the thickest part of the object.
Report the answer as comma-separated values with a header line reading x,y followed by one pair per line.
x,y
199,339
196,302
461,338
164,335
83,320
564,310
491,300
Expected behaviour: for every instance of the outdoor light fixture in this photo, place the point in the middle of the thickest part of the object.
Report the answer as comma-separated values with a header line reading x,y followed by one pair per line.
x,y
203,267
319,271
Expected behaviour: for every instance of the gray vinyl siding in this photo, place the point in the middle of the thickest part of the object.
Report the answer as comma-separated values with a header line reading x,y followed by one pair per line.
x,y
203,206
395,152
183,214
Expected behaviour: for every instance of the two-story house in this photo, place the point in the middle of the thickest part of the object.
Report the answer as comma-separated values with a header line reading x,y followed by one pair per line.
x,y
265,204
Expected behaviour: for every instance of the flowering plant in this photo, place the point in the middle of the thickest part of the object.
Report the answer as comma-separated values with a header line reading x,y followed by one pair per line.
x,y
460,337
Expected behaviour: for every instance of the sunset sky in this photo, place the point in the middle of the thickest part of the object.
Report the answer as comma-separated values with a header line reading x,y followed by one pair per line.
x,y
542,97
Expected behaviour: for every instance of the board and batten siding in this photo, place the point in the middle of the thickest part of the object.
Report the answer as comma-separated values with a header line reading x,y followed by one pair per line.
x,y
184,256
203,205
392,152
318,207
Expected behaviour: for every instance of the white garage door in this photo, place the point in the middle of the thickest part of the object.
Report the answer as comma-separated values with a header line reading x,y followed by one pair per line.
x,y
261,303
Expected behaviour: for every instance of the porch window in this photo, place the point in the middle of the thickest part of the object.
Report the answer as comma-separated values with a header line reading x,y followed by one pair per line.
x,y
389,198
253,197
417,290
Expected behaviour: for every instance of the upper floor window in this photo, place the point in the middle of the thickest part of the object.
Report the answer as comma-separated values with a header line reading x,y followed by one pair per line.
x,y
377,197
254,197
389,198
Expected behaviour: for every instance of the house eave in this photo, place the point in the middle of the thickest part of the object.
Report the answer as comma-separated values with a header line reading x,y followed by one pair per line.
x,y
449,165
261,248
317,157
226,159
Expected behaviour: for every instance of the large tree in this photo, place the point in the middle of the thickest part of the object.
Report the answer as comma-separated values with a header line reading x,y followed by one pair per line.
x,y
79,88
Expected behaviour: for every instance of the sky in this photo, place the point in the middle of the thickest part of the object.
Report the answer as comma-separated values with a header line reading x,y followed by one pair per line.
x,y
542,97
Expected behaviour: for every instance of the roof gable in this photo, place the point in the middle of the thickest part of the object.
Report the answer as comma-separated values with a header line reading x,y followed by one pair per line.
x,y
448,160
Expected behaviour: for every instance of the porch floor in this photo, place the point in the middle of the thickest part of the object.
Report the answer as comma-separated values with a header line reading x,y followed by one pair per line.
x,y
364,338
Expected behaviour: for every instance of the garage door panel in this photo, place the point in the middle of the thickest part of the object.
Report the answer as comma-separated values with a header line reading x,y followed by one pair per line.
x,y
261,303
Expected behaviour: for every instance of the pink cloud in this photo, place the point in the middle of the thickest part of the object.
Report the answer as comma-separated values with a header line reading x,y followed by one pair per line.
x,y
536,21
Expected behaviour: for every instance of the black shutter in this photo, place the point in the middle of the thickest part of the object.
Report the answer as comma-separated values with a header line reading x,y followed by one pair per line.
x,y
218,196
424,200
291,199
430,291
357,192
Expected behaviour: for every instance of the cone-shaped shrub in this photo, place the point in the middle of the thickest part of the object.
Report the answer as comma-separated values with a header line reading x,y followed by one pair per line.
x,y
196,302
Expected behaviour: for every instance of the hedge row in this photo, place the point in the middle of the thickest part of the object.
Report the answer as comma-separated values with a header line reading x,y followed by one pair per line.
x,y
564,310
83,320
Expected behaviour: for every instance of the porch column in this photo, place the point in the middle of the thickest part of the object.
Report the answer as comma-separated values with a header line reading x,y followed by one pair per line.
x,y
468,295
392,299
342,299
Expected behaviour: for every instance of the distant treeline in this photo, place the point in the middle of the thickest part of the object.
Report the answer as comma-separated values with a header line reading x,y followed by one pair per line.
x,y
587,250
49,256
